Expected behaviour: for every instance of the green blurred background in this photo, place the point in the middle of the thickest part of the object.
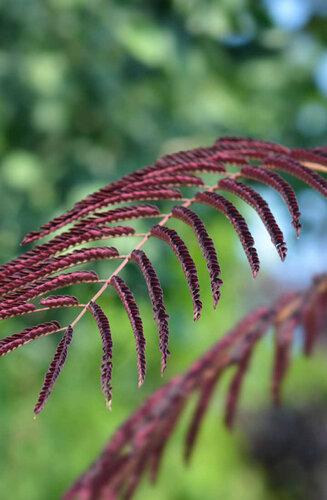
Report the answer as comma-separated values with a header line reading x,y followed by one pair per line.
x,y
92,90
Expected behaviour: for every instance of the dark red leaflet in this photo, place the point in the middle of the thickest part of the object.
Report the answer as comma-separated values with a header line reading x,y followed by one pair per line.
x,y
166,180
230,158
110,191
106,367
162,434
16,340
17,310
218,202
254,199
135,478
243,358
320,150
234,142
131,212
184,157
310,177
53,301
305,155
199,156
47,285
156,296
101,200
200,166
245,152
313,317
207,247
284,340
58,264
275,181
133,312
232,339
206,393
118,186
171,237
55,368
75,236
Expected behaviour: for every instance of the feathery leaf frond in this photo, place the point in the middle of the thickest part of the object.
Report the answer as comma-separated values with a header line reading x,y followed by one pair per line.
x,y
140,195
140,442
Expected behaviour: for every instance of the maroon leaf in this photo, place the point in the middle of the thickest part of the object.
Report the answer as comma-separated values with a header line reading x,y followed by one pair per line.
x,y
254,199
53,301
180,249
101,200
275,181
133,312
16,340
310,177
106,367
207,247
156,296
55,368
57,264
224,206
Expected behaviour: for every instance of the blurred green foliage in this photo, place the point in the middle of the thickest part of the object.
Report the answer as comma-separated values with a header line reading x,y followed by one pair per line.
x,y
88,92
